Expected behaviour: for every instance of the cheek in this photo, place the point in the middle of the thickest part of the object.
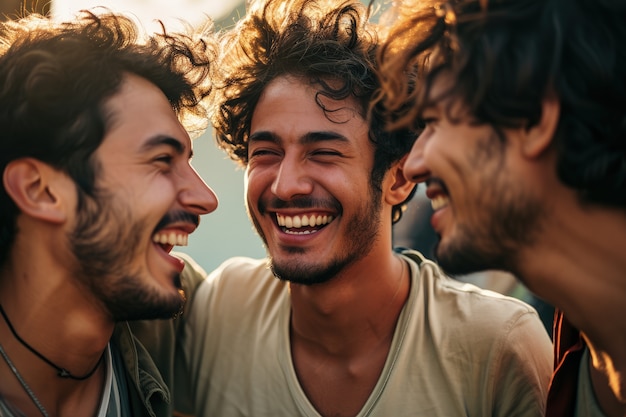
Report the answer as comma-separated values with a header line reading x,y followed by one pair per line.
x,y
258,180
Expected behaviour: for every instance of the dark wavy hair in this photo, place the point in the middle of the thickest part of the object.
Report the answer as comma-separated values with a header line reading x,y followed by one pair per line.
x,y
505,57
55,78
332,45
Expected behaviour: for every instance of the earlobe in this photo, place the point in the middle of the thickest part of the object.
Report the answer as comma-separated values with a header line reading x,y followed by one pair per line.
x,y
400,186
539,137
33,186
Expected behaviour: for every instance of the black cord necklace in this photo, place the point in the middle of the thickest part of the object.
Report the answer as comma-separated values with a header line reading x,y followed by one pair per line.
x,y
62,372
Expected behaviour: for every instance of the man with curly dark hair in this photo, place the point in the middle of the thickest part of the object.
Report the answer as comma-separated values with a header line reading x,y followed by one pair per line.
x,y
335,322
522,111
97,188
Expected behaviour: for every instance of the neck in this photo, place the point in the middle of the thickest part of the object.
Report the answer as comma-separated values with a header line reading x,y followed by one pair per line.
x,y
61,372
57,321
579,266
353,310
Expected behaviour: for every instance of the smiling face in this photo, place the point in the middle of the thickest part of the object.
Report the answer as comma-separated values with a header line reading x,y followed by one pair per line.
x,y
308,185
484,210
149,199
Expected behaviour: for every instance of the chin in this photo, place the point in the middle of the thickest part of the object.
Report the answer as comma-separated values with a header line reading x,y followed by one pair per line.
x,y
134,301
462,258
164,309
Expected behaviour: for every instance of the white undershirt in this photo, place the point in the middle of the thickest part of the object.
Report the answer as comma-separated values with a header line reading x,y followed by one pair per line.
x,y
106,392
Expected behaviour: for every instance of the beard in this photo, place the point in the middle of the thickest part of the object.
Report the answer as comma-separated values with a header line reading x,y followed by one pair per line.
x,y
106,242
505,218
361,233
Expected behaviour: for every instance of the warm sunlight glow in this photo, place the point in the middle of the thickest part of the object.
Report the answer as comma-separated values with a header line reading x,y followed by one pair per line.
x,y
149,11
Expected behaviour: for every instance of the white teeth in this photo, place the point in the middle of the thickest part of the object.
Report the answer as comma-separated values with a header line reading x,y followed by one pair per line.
x,y
304,232
296,222
438,202
171,238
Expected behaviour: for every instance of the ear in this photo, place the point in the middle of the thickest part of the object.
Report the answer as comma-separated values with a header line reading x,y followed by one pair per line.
x,y
399,186
36,188
539,137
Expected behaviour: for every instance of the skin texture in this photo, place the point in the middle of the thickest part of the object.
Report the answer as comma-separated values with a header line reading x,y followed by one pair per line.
x,y
483,216
141,181
147,185
303,164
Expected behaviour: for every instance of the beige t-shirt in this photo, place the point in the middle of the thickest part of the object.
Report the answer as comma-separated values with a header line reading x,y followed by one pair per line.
x,y
457,350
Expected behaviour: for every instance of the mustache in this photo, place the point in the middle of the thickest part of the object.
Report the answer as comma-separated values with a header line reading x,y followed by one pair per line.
x,y
178,216
304,202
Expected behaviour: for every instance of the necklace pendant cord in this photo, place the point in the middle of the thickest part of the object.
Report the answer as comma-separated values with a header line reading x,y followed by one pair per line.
x,y
61,372
28,390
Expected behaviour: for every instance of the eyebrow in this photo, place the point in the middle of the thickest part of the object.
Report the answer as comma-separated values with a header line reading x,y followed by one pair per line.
x,y
160,140
308,138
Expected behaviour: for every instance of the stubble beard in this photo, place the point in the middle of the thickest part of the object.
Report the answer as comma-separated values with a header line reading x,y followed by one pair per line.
x,y
361,233
106,241
508,218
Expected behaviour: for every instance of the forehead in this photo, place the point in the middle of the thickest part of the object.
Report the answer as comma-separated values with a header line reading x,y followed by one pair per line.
x,y
441,96
138,113
291,106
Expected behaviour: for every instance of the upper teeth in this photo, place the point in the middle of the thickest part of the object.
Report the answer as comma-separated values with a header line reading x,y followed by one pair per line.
x,y
301,221
171,238
439,201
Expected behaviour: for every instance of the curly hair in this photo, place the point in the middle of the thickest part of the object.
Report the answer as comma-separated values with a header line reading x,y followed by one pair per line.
x,y
505,57
55,78
332,45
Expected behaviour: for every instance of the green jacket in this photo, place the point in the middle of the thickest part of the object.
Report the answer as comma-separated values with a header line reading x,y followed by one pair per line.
x,y
148,393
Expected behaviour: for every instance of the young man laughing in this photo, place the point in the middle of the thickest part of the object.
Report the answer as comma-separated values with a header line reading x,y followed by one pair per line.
x,y
97,188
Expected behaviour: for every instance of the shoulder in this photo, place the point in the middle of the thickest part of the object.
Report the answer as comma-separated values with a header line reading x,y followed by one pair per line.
x,y
193,274
466,303
240,270
242,281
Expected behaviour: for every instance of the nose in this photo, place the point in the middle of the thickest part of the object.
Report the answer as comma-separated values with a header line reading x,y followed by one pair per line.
x,y
291,179
195,195
414,168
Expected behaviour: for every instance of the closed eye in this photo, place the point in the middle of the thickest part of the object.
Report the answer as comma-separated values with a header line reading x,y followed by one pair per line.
x,y
164,161
423,123
262,152
326,152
